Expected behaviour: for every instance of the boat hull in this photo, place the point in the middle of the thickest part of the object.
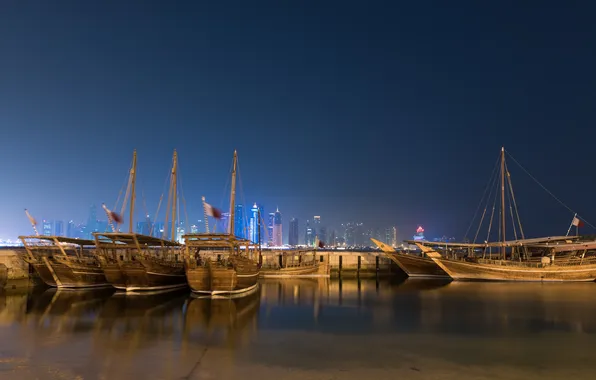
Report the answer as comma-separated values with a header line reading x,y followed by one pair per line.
x,y
146,275
418,267
3,275
505,271
212,279
43,271
114,275
78,275
317,270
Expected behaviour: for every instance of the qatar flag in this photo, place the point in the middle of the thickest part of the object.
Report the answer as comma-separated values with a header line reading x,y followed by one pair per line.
x,y
212,211
114,216
577,222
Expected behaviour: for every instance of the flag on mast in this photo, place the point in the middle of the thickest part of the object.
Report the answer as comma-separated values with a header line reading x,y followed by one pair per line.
x,y
112,215
212,211
577,222
31,219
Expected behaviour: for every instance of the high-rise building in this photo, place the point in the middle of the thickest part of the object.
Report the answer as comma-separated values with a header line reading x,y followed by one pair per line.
x,y
387,237
277,231
270,221
47,227
144,228
92,222
293,232
322,233
309,236
59,228
239,222
194,229
254,223
419,233
316,221
158,229
349,232
332,239
70,229
394,237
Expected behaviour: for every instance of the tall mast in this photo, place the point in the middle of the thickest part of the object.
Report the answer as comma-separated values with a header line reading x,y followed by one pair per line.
x,y
233,196
133,176
174,193
503,202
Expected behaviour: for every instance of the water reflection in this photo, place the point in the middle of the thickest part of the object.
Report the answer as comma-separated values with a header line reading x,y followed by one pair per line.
x,y
165,333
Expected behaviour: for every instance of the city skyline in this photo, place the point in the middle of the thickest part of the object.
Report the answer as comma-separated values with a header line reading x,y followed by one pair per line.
x,y
341,234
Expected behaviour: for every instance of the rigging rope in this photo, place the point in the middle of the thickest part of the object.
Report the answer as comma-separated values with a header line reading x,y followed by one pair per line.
x,y
183,199
492,215
490,185
490,180
508,191
244,216
548,191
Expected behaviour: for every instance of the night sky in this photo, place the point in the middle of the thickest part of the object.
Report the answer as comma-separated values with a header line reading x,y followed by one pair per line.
x,y
388,113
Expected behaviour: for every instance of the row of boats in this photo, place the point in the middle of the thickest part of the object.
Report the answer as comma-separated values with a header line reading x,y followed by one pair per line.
x,y
208,263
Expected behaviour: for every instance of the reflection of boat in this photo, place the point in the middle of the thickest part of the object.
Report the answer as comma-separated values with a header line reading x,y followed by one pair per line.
x,y
136,262
3,275
221,263
414,266
64,311
64,262
294,264
206,317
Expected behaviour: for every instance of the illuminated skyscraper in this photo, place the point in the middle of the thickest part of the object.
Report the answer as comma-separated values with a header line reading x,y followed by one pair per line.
x,y
316,221
322,233
394,237
419,233
277,233
270,221
309,236
239,222
70,229
48,228
293,232
59,228
253,229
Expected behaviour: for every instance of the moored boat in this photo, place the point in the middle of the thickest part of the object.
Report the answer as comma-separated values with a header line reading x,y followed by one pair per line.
x,y
294,264
580,265
221,263
548,259
136,262
64,262
412,265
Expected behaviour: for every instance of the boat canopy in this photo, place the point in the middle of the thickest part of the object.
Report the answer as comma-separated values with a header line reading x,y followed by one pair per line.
x,y
57,239
131,239
541,242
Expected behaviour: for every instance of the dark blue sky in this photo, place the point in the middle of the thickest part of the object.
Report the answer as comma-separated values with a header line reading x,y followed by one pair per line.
x,y
390,113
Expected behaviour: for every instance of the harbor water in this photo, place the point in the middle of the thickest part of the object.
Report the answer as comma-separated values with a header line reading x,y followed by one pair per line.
x,y
305,329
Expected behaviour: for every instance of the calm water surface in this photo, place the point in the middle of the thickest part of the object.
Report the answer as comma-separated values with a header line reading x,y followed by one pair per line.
x,y
305,329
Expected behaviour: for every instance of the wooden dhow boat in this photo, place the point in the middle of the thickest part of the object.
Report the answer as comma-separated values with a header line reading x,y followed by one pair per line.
x,y
64,262
413,265
294,264
221,263
548,259
135,262
3,275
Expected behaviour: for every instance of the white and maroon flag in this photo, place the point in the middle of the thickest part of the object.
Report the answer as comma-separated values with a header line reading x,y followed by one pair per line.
x,y
577,222
112,215
212,211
